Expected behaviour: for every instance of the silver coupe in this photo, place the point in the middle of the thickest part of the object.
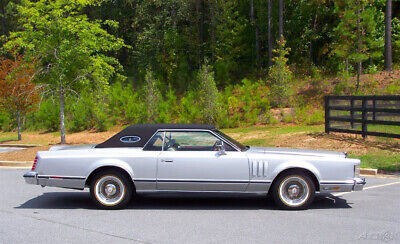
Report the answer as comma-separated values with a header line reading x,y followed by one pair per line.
x,y
159,158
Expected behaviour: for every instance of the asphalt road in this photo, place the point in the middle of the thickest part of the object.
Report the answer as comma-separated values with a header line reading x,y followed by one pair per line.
x,y
31,214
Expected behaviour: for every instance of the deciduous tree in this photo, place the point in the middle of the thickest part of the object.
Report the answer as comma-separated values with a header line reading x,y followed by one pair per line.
x,y
70,50
18,94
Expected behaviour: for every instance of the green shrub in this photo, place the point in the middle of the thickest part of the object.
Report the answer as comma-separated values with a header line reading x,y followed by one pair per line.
x,y
393,89
309,115
6,121
153,97
245,104
208,95
280,76
126,105
47,116
101,116
188,110
79,112
168,108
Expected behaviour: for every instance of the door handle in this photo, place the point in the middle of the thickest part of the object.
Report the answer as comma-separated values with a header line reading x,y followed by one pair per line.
x,y
167,160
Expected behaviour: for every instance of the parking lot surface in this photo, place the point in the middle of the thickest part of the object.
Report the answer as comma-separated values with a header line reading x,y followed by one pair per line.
x,y
32,214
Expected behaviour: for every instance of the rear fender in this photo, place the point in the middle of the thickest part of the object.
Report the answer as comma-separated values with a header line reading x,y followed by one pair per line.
x,y
110,162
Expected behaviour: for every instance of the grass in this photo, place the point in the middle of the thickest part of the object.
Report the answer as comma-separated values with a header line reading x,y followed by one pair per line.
x,y
277,129
375,152
384,128
40,138
383,162
4,138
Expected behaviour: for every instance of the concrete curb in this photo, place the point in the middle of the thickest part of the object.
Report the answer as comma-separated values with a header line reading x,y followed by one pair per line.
x,y
369,171
17,164
19,145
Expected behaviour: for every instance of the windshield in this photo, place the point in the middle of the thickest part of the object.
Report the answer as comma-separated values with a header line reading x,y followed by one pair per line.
x,y
236,143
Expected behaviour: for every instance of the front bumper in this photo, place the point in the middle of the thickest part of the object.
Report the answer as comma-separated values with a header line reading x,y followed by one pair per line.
x,y
359,184
31,178
355,184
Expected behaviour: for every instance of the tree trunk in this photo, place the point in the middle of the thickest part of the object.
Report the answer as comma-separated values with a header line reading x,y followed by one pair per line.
x,y
388,35
62,124
314,29
3,18
200,21
359,42
269,35
212,12
253,23
19,124
173,17
281,3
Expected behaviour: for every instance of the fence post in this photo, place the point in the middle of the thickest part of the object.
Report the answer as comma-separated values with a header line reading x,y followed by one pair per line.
x,y
327,114
352,112
373,107
364,117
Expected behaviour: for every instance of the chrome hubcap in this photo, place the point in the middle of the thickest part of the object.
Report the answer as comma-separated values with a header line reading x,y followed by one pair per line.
x,y
109,190
294,191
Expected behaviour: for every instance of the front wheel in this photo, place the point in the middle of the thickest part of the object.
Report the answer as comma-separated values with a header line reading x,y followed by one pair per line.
x,y
111,189
293,191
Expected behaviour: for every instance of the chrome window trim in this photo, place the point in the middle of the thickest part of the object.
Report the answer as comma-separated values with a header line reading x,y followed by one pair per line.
x,y
163,139
162,147
192,130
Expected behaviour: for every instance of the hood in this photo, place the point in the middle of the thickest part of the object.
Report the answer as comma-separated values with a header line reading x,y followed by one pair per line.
x,y
301,152
72,147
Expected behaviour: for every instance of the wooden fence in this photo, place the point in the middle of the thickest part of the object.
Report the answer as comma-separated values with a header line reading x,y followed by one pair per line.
x,y
364,115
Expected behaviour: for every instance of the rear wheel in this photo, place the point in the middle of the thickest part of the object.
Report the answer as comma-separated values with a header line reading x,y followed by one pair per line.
x,y
293,191
111,189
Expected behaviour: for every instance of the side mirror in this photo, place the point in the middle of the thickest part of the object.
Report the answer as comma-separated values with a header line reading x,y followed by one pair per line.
x,y
221,147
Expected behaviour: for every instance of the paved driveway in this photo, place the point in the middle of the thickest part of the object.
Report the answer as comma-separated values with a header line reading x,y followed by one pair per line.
x,y
31,214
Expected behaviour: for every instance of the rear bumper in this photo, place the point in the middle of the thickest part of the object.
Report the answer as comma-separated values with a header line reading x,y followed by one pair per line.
x,y
356,184
72,182
31,178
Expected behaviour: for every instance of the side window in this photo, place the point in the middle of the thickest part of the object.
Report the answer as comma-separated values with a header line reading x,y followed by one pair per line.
x,y
155,143
191,141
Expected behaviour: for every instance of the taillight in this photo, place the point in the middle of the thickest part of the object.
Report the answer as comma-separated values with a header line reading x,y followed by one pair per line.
x,y
34,163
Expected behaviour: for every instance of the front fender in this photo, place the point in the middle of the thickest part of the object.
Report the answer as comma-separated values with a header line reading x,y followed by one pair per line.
x,y
296,164
110,162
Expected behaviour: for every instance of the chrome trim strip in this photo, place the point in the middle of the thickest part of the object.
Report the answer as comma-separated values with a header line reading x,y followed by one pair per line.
x,y
337,182
183,191
204,181
62,177
260,181
144,180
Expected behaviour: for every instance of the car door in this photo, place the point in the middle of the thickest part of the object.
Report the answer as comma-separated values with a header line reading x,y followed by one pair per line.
x,y
189,161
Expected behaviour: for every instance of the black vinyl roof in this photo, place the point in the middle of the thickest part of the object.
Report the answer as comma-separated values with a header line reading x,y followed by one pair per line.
x,y
145,132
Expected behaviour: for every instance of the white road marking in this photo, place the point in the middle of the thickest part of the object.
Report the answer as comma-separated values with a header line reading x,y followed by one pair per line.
x,y
368,187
